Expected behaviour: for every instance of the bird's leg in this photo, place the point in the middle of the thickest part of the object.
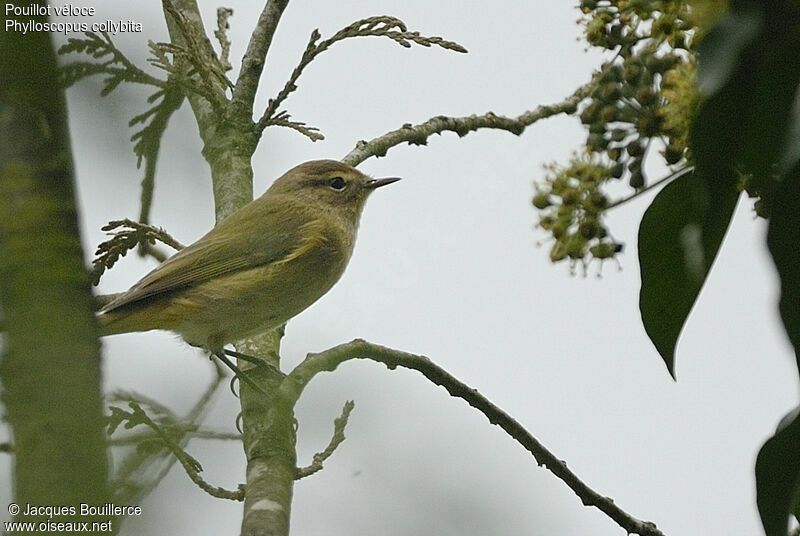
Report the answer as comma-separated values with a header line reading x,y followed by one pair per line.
x,y
220,354
246,357
257,361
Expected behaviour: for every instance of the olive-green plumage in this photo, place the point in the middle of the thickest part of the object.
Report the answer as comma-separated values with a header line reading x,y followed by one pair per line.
x,y
257,268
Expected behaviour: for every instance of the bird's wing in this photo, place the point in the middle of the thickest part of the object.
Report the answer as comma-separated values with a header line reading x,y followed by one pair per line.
x,y
258,234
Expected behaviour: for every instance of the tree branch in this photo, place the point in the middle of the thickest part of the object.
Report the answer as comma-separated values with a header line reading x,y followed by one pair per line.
x,y
384,26
207,102
221,33
339,424
244,93
139,472
191,431
330,359
189,463
209,74
419,134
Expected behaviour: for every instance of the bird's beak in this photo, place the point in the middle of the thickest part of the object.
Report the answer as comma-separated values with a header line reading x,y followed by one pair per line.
x,y
377,183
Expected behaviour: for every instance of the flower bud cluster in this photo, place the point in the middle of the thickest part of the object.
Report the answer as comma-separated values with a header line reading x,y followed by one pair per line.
x,y
644,93
571,205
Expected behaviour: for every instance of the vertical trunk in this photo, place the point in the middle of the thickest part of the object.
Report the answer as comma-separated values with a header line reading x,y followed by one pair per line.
x,y
51,367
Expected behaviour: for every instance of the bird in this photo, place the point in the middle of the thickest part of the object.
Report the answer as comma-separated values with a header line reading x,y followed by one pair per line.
x,y
262,265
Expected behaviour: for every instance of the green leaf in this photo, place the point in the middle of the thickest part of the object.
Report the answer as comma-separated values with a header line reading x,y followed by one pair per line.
x,y
722,47
749,70
783,241
792,153
679,237
778,477
775,73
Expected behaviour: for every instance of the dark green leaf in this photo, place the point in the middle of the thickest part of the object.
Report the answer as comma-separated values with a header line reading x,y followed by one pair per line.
x,y
749,69
716,132
783,241
792,153
774,67
778,477
722,47
679,237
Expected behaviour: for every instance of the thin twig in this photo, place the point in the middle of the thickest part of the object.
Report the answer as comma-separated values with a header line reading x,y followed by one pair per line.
x,y
190,465
191,432
339,424
221,33
98,46
143,231
137,474
328,360
312,133
136,74
419,134
390,27
672,176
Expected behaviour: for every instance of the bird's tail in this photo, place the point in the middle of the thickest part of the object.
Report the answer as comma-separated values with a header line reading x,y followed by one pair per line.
x,y
123,321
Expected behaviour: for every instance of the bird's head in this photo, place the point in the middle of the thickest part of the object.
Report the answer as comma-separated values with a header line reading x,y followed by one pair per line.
x,y
329,184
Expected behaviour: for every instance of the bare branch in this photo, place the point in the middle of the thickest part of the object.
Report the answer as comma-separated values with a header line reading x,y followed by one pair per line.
x,y
419,134
330,359
339,424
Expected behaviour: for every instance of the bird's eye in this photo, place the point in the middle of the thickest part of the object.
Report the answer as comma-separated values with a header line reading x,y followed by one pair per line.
x,y
337,183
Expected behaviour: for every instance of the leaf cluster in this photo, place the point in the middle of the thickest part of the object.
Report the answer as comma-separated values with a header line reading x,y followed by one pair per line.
x,y
744,134
131,234
111,62
749,123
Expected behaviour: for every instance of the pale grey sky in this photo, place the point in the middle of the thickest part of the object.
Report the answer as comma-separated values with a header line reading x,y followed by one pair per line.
x,y
447,265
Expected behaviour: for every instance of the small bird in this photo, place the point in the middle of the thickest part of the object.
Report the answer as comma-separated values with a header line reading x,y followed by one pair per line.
x,y
256,269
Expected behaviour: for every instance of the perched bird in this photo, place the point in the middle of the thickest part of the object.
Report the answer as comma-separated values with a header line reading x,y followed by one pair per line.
x,y
256,269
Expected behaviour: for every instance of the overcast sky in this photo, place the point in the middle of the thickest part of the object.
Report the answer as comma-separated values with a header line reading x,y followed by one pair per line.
x,y
447,265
